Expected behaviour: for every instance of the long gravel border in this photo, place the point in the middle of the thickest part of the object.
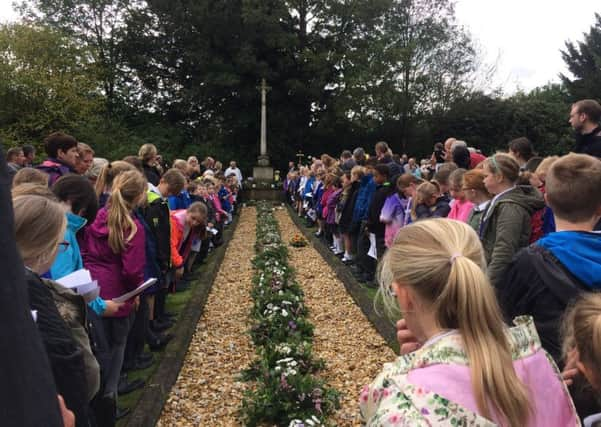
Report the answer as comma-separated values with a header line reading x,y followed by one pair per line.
x,y
207,392
352,348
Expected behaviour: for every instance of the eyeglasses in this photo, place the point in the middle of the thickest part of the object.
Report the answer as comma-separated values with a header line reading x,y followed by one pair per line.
x,y
63,246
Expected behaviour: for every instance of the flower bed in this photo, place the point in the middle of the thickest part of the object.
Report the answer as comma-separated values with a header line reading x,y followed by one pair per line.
x,y
298,241
286,390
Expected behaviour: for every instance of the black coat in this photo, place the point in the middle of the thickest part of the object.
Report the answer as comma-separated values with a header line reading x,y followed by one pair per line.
x,y
66,358
538,285
346,218
156,215
375,208
152,174
589,143
27,390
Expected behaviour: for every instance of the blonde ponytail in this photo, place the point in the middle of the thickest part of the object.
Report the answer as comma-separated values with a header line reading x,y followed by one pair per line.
x,y
108,174
126,190
443,262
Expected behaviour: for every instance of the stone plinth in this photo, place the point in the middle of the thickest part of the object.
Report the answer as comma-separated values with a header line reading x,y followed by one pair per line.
x,y
263,174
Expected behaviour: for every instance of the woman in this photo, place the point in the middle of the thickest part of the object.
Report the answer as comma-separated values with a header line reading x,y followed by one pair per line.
x,y
39,239
149,155
469,368
506,225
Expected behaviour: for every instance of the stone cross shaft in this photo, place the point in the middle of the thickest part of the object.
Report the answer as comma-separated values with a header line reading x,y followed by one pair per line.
x,y
264,88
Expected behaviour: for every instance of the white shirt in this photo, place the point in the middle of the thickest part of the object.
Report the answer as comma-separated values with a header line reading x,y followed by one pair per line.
x,y
229,171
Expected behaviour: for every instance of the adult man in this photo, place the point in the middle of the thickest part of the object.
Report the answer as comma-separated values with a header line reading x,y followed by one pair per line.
x,y
585,116
233,169
62,156
15,161
85,159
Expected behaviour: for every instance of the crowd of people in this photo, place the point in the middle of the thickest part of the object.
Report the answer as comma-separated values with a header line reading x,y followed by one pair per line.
x,y
125,222
523,241
461,244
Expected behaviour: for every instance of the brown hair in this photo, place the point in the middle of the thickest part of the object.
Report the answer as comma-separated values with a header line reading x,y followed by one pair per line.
x,y
109,173
582,331
426,190
590,107
83,148
200,208
126,190
504,165
456,177
460,295
474,180
572,187
175,180
444,172
405,180
37,236
358,171
30,175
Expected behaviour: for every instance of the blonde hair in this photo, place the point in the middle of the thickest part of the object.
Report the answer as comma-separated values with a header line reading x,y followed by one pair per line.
x,y
582,330
443,262
544,166
425,191
32,189
147,152
109,172
127,188
31,176
37,236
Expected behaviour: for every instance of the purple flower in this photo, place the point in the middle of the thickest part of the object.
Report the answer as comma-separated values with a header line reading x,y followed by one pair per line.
x,y
292,324
425,411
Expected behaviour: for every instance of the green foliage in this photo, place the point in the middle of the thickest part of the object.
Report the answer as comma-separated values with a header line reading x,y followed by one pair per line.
x,y
584,62
286,391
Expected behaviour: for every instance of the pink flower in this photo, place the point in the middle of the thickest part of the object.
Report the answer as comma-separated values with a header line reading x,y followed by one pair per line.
x,y
395,418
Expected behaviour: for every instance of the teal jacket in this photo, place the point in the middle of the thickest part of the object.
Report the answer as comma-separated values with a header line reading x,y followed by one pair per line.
x,y
69,260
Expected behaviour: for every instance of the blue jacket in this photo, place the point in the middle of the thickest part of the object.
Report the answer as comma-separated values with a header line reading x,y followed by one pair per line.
x,y
181,201
308,186
365,194
70,260
224,199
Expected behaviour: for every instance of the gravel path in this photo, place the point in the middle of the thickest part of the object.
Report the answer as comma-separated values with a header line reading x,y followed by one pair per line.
x,y
206,392
353,350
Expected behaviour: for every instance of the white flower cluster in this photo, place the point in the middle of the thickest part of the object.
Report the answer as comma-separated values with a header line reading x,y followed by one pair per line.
x,y
283,349
273,309
313,421
287,366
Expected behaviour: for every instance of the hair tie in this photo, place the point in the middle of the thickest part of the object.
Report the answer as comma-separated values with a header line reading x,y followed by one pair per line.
x,y
453,258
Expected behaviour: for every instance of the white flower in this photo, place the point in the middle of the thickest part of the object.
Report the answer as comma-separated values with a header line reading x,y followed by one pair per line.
x,y
284,313
278,368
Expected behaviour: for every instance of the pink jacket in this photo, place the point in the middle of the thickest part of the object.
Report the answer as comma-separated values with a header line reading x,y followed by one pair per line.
x,y
116,273
460,210
432,385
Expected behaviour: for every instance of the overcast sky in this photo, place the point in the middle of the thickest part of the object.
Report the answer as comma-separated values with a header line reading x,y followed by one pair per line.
x,y
523,37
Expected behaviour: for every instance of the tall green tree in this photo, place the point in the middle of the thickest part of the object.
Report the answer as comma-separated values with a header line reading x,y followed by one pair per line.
x,y
583,59
45,84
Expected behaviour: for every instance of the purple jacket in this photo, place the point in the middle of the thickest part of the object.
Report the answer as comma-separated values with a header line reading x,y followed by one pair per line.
x,y
116,273
55,169
331,206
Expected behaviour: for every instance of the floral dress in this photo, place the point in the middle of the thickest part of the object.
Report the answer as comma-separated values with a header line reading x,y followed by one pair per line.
x,y
392,400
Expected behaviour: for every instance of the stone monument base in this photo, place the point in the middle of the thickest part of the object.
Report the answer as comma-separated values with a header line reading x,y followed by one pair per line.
x,y
263,174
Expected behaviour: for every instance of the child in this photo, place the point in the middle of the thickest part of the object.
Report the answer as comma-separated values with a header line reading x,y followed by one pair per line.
x,y
429,203
506,225
469,368
582,345
330,215
105,180
396,212
460,206
157,217
475,191
543,278
113,249
186,226
350,184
